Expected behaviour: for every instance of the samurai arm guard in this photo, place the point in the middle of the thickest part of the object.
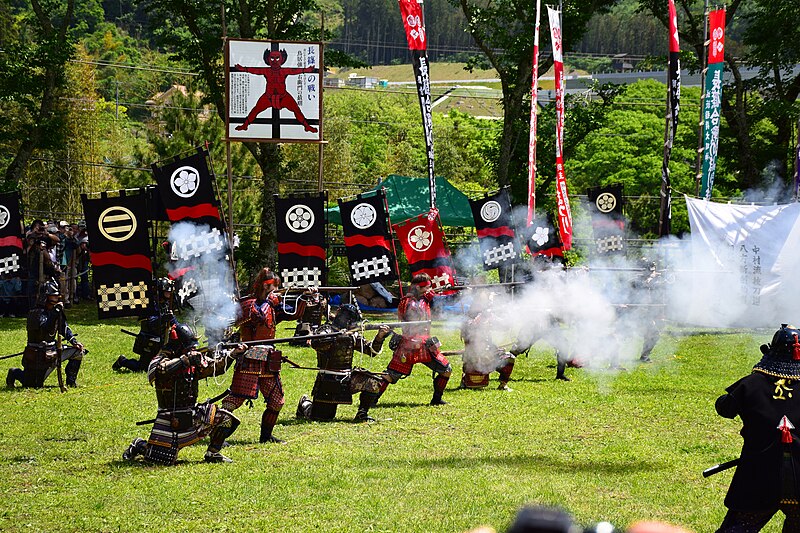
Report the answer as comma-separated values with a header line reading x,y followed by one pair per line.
x,y
376,345
167,366
214,366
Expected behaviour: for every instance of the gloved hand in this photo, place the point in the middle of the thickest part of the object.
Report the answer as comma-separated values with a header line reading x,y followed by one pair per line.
x,y
59,307
383,332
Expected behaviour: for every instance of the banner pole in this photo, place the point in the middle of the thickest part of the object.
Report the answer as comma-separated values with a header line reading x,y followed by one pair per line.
x,y
700,127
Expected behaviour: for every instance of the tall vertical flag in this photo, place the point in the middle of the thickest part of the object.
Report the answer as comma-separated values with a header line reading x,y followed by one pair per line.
x,y
562,196
411,11
534,111
712,105
10,234
673,106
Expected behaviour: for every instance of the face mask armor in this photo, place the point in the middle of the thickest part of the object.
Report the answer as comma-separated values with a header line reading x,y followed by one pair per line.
x,y
348,316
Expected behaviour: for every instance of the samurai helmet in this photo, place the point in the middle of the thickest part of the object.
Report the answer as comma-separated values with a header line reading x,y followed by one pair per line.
x,y
347,316
50,288
782,355
182,337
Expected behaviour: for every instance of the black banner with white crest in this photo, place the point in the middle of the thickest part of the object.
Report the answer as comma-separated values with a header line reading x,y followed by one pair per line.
x,y
186,187
543,237
300,226
608,224
495,226
120,252
367,239
10,234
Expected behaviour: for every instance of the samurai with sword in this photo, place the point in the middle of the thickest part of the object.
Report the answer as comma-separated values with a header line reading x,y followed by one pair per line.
x,y
47,325
767,401
337,380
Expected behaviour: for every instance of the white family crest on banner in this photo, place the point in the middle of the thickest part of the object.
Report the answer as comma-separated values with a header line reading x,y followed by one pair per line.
x,y
419,238
300,218
117,223
606,202
185,181
491,211
745,261
5,216
363,216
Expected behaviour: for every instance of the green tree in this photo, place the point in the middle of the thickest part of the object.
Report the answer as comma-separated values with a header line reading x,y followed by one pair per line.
x,y
627,149
503,30
769,37
32,66
193,30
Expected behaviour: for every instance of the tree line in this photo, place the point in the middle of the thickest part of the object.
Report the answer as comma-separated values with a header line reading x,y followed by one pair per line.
x,y
75,78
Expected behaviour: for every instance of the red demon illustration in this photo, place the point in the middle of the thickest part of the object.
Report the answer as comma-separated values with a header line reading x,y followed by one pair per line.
x,y
275,94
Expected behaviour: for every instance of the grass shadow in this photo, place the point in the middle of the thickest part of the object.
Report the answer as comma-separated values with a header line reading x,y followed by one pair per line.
x,y
536,462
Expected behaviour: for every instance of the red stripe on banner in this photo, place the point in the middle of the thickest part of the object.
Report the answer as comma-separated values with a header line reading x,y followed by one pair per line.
x,y
196,211
121,260
368,241
555,251
495,232
301,249
11,241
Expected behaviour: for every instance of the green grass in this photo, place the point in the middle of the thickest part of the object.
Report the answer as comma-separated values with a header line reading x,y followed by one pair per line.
x,y
617,447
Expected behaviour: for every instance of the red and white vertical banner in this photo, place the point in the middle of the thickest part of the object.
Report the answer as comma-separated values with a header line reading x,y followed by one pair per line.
x,y
562,197
673,106
534,111
411,11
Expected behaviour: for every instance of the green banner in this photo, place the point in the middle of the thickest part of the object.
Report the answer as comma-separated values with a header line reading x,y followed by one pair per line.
x,y
712,108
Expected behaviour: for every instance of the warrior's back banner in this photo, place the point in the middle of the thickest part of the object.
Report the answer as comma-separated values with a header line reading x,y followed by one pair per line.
x,y
274,91
423,242
120,252
745,261
300,222
367,239
495,227
186,188
10,234
543,238
608,224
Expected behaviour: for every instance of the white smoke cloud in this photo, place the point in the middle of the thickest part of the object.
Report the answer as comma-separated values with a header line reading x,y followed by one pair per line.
x,y
604,311
215,306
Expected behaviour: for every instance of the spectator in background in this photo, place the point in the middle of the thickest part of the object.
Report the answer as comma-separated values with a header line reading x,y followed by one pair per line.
x,y
38,244
10,294
84,291
71,251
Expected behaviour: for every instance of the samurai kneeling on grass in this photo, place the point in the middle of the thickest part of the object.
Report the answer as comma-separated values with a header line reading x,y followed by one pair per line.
x,y
181,421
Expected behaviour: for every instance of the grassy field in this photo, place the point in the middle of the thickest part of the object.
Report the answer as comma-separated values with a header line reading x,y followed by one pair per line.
x,y
619,447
